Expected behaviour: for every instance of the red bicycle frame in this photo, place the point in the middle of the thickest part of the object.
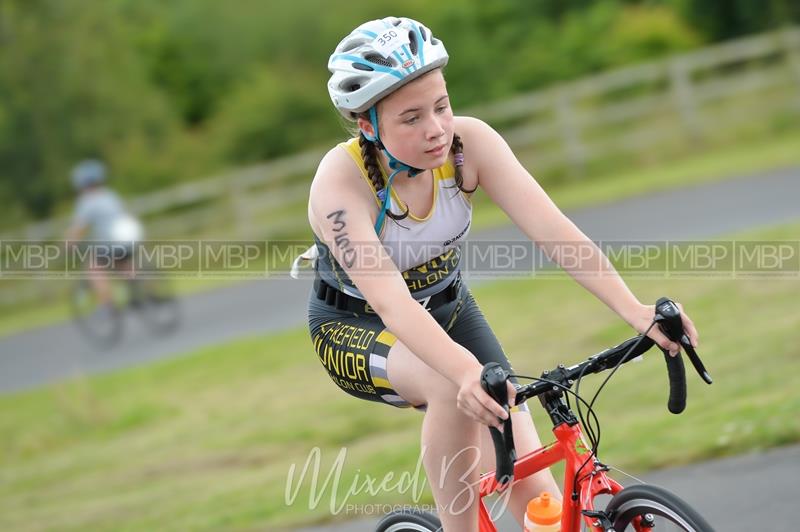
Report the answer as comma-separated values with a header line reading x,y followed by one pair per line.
x,y
592,480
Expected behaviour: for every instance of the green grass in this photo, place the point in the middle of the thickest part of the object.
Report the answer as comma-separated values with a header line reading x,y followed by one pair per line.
x,y
205,441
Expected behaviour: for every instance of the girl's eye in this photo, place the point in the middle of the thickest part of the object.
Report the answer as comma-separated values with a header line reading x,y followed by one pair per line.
x,y
441,109
410,120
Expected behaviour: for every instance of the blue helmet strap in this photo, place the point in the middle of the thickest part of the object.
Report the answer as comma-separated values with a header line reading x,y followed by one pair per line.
x,y
394,164
384,196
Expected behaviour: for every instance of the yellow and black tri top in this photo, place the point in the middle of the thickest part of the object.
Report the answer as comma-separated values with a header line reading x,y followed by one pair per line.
x,y
427,250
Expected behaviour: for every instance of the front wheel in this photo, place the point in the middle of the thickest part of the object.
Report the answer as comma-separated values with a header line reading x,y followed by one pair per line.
x,y
644,507
409,520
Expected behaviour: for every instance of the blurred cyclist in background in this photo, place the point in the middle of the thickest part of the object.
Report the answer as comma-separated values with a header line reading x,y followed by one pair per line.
x,y
101,216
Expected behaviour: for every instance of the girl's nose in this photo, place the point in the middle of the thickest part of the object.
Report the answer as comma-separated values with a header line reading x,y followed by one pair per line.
x,y
435,130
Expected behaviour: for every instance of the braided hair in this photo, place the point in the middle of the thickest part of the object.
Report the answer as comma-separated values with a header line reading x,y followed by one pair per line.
x,y
457,149
369,154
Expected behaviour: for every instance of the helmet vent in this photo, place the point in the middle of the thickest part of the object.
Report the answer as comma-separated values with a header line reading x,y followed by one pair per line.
x,y
424,35
377,59
362,66
353,84
435,41
412,38
351,45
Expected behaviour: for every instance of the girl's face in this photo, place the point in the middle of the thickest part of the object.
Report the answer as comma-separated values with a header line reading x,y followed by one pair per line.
x,y
416,122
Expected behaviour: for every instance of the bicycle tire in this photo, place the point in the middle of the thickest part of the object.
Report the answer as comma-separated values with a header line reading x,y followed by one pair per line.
x,y
409,520
664,507
157,305
102,330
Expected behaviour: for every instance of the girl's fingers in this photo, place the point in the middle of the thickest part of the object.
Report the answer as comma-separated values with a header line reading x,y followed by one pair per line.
x,y
688,327
664,342
482,408
479,412
493,408
691,330
512,394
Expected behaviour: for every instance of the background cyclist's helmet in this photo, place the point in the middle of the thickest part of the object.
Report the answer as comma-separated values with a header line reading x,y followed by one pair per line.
x,y
377,58
87,173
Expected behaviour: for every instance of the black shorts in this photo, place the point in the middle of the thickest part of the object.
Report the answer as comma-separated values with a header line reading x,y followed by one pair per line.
x,y
354,348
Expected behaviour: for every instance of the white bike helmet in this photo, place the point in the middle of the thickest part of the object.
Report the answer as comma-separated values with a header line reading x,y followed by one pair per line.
x,y
87,173
377,58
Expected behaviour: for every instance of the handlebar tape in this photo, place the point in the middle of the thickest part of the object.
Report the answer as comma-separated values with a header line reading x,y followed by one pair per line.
x,y
677,382
493,381
503,456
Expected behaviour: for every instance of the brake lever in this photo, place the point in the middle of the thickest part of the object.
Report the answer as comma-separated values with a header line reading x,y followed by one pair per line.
x,y
668,317
695,358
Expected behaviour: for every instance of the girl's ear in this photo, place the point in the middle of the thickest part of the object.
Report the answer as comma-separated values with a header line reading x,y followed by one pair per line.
x,y
366,128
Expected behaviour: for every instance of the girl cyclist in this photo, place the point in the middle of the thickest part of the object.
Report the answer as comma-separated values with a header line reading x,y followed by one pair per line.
x,y
390,319
101,216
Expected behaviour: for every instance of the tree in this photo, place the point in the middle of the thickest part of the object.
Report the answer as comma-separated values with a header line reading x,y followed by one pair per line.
x,y
70,87
726,19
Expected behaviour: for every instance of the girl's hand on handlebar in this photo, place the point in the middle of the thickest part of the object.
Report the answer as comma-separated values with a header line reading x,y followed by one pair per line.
x,y
479,405
644,317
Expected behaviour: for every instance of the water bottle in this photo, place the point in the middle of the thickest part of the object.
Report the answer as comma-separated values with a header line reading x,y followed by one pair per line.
x,y
543,514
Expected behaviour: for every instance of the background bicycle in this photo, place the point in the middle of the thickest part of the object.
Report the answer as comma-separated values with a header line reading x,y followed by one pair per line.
x,y
152,300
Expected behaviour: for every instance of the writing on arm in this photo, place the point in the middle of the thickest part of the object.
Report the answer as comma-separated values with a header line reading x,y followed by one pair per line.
x,y
341,238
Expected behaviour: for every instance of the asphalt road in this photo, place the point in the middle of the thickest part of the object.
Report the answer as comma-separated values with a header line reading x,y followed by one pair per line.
x,y
52,353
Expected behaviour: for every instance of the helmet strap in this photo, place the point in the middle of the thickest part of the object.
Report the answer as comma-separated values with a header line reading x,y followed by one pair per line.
x,y
395,165
394,162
